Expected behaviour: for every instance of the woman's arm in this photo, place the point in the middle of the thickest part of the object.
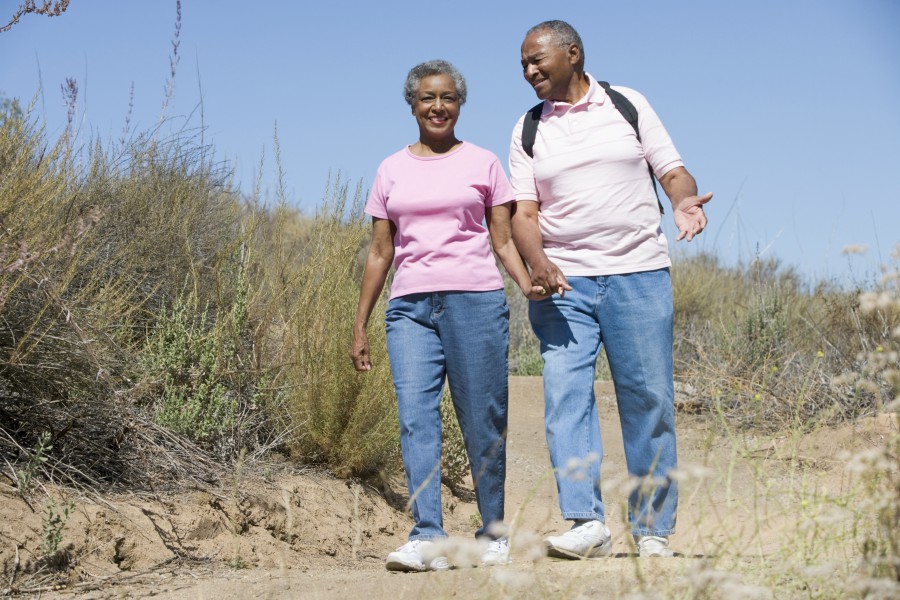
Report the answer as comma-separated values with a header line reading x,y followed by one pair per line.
x,y
527,235
378,263
499,225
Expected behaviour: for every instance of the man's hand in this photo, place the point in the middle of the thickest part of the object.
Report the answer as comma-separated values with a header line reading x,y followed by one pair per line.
x,y
549,279
689,217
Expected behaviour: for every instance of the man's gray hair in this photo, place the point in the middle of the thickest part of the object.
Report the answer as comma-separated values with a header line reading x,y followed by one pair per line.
x,y
429,68
564,35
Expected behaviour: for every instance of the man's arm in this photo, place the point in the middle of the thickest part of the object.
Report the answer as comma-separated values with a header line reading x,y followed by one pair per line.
x,y
527,237
687,206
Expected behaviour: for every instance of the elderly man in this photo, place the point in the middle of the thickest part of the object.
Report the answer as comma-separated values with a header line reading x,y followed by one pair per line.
x,y
587,222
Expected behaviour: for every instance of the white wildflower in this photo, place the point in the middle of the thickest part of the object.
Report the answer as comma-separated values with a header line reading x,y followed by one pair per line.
x,y
745,591
512,579
844,379
528,542
871,301
855,249
577,469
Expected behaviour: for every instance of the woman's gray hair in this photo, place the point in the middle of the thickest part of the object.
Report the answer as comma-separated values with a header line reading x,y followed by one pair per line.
x,y
564,35
427,69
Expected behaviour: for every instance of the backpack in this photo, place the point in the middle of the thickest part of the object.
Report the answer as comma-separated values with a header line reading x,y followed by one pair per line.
x,y
622,104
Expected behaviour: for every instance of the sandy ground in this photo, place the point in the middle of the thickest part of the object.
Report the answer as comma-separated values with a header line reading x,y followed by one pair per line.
x,y
303,534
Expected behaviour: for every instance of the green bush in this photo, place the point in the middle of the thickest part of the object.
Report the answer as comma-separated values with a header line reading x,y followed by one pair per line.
x,y
194,365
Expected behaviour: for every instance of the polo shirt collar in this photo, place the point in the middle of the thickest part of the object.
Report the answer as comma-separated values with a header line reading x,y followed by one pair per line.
x,y
594,95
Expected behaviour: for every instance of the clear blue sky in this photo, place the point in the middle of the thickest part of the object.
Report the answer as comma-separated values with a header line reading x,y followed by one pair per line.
x,y
787,111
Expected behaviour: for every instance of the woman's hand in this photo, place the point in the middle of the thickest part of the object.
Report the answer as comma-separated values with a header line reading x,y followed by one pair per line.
x,y
534,292
359,351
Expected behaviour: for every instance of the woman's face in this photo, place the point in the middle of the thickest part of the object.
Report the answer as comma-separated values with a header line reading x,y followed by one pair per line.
x,y
436,107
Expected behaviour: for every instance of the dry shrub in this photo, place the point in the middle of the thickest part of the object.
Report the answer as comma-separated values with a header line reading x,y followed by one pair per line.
x,y
154,319
342,418
157,326
58,364
762,346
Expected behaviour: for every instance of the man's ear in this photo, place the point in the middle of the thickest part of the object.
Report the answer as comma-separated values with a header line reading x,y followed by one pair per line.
x,y
574,54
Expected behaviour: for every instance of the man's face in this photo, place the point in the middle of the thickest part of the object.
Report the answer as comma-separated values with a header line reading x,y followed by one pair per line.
x,y
547,67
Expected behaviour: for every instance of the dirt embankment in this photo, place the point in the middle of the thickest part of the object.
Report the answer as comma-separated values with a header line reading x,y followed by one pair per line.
x,y
303,534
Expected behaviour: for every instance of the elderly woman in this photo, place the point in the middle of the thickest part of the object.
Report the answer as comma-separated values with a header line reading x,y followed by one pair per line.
x,y
447,315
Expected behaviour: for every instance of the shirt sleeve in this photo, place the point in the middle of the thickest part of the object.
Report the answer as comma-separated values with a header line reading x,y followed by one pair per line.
x,y
521,170
659,150
376,206
501,192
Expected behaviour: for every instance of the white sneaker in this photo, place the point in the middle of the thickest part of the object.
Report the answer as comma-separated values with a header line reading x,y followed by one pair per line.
x,y
497,553
588,540
651,545
416,555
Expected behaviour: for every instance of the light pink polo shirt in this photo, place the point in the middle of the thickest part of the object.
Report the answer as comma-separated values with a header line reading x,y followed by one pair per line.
x,y
438,204
598,211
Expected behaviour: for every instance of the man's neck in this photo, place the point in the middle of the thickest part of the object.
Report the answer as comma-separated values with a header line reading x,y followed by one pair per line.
x,y
578,87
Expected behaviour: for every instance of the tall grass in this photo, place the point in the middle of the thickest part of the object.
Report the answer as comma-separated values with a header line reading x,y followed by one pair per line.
x,y
775,352
344,418
146,301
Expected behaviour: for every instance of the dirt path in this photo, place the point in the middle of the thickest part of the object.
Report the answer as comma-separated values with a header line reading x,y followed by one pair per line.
x,y
310,536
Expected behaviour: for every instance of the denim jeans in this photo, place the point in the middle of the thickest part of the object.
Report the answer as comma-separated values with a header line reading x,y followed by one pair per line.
x,y
631,316
463,336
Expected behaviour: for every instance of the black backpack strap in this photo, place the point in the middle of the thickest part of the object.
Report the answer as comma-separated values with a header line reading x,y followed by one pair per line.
x,y
627,110
624,106
529,128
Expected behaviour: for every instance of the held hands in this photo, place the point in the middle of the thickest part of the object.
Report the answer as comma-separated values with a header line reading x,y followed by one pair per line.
x,y
689,217
546,280
359,351
534,292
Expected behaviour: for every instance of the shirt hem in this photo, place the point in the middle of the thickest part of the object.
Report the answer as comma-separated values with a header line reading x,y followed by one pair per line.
x,y
623,270
431,289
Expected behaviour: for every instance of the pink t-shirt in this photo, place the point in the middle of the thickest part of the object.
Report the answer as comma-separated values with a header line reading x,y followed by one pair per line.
x,y
598,211
437,204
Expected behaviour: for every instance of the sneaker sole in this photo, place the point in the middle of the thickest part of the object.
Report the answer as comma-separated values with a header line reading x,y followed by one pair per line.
x,y
658,554
604,549
403,567
399,565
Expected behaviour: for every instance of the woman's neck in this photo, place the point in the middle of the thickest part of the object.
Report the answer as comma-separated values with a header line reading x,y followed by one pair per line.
x,y
434,147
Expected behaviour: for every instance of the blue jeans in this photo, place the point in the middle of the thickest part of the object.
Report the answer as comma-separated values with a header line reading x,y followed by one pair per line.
x,y
631,316
465,337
